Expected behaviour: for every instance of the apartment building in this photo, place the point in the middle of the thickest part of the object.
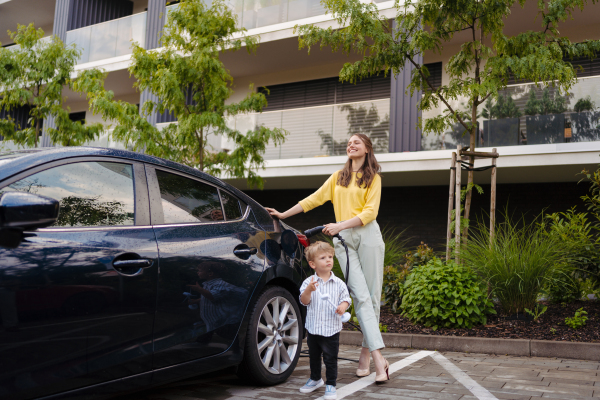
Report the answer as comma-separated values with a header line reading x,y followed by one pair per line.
x,y
540,155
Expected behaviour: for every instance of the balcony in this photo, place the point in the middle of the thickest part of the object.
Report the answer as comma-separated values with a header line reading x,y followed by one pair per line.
x,y
257,13
526,114
324,130
109,39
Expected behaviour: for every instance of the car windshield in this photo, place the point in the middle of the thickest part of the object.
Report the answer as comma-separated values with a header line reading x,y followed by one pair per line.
x,y
6,156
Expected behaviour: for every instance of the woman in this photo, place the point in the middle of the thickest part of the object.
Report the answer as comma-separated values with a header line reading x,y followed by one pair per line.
x,y
355,192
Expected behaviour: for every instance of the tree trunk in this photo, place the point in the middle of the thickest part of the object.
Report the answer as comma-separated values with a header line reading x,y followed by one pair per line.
x,y
472,144
201,149
37,131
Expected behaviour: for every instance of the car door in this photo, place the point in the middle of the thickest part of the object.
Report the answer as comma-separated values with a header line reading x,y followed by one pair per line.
x,y
77,300
210,261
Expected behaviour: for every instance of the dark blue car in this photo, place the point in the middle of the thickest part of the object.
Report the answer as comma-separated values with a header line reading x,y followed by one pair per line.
x,y
119,271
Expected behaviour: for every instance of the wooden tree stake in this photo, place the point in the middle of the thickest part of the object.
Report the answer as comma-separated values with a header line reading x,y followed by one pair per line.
x,y
457,212
493,199
450,204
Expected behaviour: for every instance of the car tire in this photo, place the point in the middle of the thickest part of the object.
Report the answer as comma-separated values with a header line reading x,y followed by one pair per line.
x,y
272,345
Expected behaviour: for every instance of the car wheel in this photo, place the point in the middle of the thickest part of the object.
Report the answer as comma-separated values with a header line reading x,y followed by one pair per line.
x,y
273,340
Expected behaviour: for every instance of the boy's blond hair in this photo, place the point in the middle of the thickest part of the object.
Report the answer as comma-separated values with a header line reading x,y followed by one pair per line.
x,y
317,248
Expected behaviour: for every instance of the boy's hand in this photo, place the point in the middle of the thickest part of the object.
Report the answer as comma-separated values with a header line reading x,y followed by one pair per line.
x,y
312,286
342,308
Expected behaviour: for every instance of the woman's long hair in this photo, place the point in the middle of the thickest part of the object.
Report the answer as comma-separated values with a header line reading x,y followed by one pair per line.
x,y
369,169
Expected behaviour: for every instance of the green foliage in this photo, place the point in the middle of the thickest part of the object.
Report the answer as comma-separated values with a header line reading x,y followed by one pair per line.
x,y
34,74
394,276
421,256
589,286
582,253
553,331
393,286
546,105
592,200
578,320
194,37
584,104
564,289
446,295
477,70
505,107
383,328
537,312
517,263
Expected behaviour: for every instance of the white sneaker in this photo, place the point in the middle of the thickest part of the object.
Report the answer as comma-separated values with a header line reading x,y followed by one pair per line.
x,y
330,393
311,386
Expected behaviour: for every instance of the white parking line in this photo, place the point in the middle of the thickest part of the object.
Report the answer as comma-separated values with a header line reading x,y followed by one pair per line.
x,y
368,380
478,391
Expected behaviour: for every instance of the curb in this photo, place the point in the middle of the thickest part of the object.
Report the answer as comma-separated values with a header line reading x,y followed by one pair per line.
x,y
514,347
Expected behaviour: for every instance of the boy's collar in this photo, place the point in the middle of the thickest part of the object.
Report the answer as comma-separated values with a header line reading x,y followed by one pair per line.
x,y
331,275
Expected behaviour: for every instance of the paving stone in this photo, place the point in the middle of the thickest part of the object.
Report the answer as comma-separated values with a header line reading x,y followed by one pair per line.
x,y
413,393
506,394
553,389
580,376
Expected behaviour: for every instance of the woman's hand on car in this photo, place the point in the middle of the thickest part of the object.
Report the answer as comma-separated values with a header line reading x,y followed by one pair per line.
x,y
275,213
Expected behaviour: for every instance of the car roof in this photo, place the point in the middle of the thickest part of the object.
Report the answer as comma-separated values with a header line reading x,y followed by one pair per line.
x,y
31,158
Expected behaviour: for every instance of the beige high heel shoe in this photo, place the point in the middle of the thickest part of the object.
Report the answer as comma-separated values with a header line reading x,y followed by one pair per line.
x,y
363,372
384,377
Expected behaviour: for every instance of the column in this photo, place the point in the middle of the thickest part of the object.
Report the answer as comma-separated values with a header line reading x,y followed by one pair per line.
x,y
155,21
404,115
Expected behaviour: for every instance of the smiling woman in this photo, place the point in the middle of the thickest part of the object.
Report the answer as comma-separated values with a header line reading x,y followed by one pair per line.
x,y
355,192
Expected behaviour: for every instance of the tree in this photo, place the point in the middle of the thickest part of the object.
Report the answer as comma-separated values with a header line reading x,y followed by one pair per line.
x,y
191,83
505,107
33,75
478,70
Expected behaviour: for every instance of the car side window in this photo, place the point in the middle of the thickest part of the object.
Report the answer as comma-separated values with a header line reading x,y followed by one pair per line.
x,y
231,205
187,200
89,193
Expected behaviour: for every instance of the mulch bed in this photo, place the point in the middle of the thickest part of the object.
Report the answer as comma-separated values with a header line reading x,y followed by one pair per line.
x,y
501,326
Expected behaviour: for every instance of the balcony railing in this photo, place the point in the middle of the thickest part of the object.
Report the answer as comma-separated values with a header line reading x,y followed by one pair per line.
x,y
109,39
323,131
527,115
256,13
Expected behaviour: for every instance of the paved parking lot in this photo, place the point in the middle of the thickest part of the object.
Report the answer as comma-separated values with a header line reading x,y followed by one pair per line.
x,y
418,375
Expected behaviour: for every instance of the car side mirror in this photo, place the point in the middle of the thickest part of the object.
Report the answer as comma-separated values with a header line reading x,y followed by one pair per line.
x,y
24,211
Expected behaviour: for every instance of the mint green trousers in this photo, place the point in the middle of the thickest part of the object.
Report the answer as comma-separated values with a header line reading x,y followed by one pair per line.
x,y
366,250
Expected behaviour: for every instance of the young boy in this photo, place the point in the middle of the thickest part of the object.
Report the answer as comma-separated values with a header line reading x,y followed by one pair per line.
x,y
323,323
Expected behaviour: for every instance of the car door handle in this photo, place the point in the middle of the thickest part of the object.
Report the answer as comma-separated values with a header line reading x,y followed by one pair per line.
x,y
139,263
245,253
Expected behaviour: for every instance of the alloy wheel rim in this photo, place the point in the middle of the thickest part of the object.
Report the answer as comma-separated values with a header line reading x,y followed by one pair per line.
x,y
278,335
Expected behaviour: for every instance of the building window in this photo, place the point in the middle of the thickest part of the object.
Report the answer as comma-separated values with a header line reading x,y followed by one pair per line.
x,y
326,91
435,74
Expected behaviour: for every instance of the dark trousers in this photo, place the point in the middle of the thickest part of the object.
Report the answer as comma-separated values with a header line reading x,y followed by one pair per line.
x,y
329,348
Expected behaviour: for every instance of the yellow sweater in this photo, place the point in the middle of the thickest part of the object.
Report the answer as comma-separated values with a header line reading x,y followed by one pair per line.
x,y
348,202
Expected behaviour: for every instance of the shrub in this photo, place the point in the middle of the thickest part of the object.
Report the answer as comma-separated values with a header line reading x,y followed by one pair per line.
x,y
563,288
394,277
421,256
517,263
445,295
393,286
578,320
575,232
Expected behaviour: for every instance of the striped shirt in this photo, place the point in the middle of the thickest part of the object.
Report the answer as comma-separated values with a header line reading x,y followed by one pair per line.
x,y
321,318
